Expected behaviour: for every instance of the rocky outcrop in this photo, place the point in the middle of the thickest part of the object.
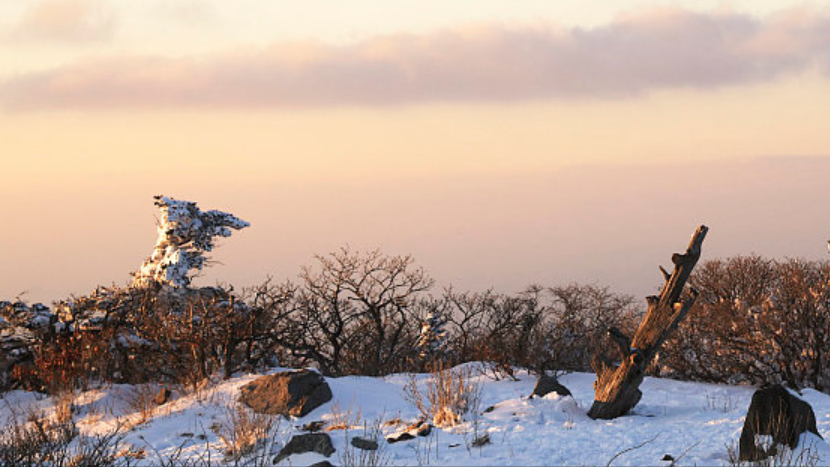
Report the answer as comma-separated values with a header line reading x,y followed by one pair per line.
x,y
776,413
290,393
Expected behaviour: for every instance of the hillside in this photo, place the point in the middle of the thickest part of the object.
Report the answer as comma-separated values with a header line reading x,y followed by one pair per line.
x,y
694,420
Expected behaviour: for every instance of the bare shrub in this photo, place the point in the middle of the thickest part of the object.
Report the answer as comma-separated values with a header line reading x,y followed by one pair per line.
x,y
352,314
32,439
575,324
554,329
141,401
450,394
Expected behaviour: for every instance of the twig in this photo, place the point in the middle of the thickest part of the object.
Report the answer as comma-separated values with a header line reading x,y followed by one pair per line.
x,y
631,449
686,452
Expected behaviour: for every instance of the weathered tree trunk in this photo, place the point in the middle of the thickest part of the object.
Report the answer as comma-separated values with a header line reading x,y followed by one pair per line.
x,y
617,387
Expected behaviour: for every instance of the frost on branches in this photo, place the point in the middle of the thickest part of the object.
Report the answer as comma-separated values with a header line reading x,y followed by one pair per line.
x,y
431,340
185,234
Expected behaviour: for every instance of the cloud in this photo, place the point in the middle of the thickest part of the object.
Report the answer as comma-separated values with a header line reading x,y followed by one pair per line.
x,y
65,20
187,11
636,54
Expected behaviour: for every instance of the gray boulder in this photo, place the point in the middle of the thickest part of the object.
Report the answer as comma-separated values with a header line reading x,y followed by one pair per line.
x,y
777,413
308,442
364,444
290,393
548,384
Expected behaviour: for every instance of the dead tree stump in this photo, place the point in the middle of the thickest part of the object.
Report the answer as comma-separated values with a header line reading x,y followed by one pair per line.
x,y
617,387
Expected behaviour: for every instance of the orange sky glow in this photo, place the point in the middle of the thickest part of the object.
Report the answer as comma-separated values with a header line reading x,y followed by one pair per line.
x,y
501,144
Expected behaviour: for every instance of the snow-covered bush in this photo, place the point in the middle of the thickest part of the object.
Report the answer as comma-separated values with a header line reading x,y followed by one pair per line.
x,y
756,320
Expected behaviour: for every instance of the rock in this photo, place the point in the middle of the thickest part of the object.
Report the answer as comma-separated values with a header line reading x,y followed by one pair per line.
x,y
774,411
400,437
290,393
308,442
482,440
548,384
424,430
322,464
313,427
419,428
162,397
364,444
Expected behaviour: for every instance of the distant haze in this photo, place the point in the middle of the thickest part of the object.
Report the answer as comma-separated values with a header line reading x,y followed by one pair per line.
x,y
600,224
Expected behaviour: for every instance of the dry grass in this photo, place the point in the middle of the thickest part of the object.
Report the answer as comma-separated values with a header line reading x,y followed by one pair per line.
x,y
38,440
64,405
243,432
720,402
350,456
343,419
450,394
141,402
802,456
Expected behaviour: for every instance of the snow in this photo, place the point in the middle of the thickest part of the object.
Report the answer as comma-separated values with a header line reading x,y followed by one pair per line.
x,y
185,233
673,418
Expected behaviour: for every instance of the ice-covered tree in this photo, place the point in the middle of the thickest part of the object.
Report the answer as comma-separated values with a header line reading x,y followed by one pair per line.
x,y
185,234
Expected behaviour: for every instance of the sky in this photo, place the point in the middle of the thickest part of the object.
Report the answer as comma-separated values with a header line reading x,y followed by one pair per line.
x,y
500,143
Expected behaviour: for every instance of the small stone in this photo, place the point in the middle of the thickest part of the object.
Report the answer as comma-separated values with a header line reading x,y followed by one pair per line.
x,y
481,440
400,437
313,427
424,430
364,444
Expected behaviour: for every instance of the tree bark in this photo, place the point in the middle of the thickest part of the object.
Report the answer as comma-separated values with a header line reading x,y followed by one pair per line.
x,y
617,387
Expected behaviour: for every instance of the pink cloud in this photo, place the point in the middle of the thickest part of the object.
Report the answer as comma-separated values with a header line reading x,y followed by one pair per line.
x,y
634,55
65,20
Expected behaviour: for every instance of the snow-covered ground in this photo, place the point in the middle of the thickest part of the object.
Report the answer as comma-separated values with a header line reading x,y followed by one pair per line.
x,y
693,420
